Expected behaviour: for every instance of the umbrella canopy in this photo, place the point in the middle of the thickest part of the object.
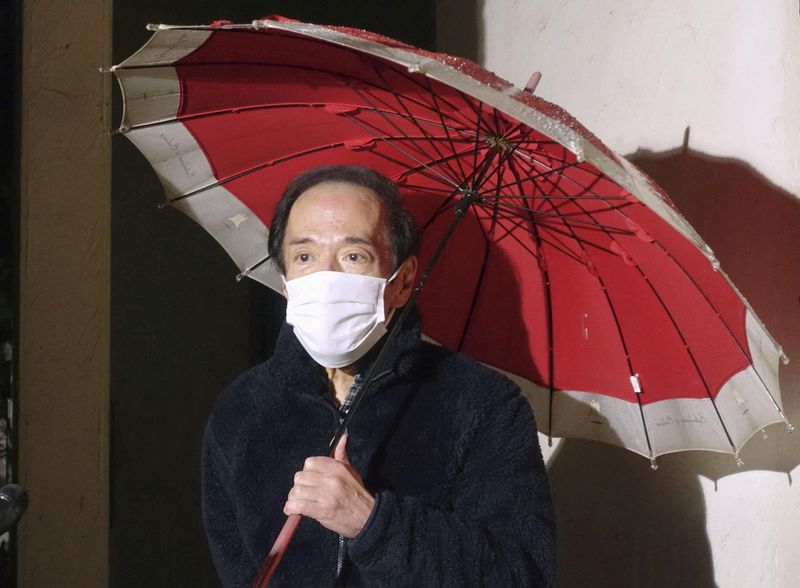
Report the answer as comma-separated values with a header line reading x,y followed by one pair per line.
x,y
570,271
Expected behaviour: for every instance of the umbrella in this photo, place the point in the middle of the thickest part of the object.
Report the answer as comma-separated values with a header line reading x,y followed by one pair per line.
x,y
570,270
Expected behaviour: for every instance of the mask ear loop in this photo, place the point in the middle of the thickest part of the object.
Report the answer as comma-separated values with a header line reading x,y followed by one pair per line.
x,y
395,274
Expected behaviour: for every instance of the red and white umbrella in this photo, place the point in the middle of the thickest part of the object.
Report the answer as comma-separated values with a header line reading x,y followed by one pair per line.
x,y
570,270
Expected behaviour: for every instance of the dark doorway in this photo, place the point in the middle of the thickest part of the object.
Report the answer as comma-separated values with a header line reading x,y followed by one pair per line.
x,y
181,326
10,63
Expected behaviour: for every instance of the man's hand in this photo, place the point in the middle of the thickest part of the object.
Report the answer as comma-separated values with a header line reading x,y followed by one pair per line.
x,y
330,491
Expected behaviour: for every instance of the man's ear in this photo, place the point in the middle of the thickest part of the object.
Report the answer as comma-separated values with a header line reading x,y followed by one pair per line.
x,y
399,290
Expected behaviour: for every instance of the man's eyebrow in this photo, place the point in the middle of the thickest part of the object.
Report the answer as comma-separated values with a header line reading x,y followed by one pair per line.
x,y
350,239
301,241
353,240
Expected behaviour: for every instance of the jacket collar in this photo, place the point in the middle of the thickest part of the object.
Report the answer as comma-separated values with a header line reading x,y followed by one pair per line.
x,y
299,372
393,382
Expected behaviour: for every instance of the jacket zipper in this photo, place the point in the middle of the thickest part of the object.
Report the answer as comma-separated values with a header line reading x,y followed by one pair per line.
x,y
352,393
342,413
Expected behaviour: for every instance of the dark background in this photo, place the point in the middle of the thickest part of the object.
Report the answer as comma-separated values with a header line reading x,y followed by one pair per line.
x,y
181,326
9,206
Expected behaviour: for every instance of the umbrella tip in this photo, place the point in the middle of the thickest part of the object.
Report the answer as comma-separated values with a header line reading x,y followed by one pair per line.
x,y
653,464
533,81
739,460
789,426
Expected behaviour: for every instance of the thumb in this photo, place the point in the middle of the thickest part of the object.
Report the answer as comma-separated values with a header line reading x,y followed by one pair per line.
x,y
340,452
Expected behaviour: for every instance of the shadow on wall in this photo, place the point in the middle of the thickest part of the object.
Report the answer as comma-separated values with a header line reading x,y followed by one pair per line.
x,y
622,524
753,227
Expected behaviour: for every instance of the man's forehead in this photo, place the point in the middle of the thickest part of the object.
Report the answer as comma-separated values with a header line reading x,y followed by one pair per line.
x,y
341,189
341,203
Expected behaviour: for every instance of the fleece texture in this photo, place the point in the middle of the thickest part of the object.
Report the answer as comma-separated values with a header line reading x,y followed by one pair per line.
x,y
447,446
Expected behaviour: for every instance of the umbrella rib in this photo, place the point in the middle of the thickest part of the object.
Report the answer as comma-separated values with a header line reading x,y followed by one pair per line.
x,y
724,324
619,210
619,333
475,150
557,243
517,222
435,100
420,163
247,271
550,227
505,155
669,315
589,223
509,233
287,105
448,204
475,295
548,305
248,171
426,87
483,174
398,70
558,171
409,117
556,197
680,334
545,176
256,168
401,100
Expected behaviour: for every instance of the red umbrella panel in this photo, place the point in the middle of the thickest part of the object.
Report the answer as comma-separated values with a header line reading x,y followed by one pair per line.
x,y
570,271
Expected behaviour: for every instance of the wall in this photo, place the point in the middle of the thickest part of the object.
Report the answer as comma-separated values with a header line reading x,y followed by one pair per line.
x,y
703,96
64,293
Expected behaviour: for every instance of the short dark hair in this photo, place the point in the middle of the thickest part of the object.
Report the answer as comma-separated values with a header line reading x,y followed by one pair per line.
x,y
403,233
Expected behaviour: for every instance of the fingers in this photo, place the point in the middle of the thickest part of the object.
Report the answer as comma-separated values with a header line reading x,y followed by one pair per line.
x,y
330,491
340,451
323,465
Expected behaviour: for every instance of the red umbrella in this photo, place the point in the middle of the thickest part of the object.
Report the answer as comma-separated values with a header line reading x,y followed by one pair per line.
x,y
570,270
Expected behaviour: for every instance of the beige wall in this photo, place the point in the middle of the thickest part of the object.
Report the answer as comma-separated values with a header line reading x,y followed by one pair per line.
x,y
639,73
64,298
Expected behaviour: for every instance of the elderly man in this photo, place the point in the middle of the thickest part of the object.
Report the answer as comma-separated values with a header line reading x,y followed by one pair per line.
x,y
440,479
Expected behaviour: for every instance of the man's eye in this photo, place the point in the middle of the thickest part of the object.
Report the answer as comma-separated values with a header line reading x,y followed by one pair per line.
x,y
303,257
354,257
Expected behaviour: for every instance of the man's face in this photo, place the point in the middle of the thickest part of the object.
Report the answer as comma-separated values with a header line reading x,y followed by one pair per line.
x,y
338,227
342,227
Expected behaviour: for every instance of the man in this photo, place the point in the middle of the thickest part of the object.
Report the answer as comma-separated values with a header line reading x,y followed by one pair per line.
x,y
440,479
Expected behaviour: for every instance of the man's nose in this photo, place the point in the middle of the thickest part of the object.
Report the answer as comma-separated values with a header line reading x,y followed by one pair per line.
x,y
331,263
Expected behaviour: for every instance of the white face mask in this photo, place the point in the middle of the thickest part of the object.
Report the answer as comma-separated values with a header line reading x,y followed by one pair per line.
x,y
337,317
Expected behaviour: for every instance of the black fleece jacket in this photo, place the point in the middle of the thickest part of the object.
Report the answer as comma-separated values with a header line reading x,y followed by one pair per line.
x,y
447,446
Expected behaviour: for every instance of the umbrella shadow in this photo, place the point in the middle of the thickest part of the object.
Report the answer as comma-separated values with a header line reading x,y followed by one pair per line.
x,y
752,225
619,522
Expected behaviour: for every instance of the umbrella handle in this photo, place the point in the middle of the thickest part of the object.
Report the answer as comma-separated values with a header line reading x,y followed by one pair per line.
x,y
275,554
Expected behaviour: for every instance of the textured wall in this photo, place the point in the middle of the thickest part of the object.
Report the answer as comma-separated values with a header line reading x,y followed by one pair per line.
x,y
64,282
703,96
